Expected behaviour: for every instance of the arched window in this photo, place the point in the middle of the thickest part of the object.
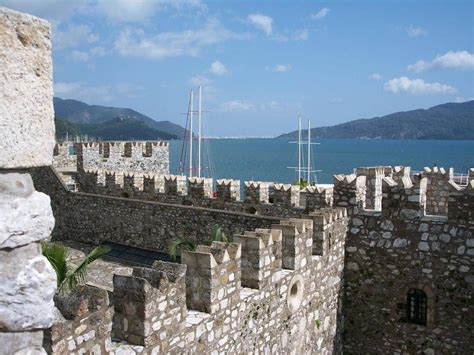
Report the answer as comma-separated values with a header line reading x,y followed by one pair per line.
x,y
417,304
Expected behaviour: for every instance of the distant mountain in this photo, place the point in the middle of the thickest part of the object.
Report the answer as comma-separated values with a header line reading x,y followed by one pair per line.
x,y
447,121
113,121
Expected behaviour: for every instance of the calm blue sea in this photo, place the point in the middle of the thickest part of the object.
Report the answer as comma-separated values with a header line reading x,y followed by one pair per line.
x,y
268,159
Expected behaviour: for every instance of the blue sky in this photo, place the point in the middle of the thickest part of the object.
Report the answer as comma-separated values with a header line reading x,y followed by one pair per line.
x,y
261,63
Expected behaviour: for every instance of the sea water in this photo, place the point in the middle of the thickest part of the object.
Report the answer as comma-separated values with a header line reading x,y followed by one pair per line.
x,y
269,159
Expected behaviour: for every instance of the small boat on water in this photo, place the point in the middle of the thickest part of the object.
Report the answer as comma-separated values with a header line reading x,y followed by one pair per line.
x,y
306,174
188,155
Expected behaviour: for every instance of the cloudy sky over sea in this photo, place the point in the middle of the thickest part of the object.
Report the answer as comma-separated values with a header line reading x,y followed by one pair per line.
x,y
261,63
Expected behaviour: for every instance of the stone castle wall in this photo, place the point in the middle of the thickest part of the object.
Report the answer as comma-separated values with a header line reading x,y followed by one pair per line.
x,y
405,246
205,306
134,157
27,280
262,198
96,218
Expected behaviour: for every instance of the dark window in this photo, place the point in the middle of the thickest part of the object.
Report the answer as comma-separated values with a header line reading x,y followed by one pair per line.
x,y
416,306
71,150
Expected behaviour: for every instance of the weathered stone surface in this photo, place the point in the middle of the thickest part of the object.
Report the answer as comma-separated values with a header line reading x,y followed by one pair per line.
x,y
27,287
25,214
26,91
22,343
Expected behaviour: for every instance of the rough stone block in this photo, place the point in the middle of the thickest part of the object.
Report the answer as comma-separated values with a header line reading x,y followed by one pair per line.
x,y
25,214
26,91
28,282
22,343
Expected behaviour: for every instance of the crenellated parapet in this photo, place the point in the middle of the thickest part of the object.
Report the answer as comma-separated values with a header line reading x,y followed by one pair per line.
x,y
200,188
213,277
373,185
329,227
175,185
398,191
317,196
261,256
136,157
285,194
435,195
228,190
297,242
256,191
150,304
349,192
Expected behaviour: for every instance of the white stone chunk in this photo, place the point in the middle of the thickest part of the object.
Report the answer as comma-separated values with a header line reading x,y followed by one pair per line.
x,y
26,91
28,285
25,214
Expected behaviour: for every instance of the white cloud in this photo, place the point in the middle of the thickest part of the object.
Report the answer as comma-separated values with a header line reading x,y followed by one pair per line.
x,y
450,60
98,51
375,76
235,106
262,22
95,94
416,86
413,31
199,80
135,43
79,56
320,14
53,10
455,60
87,56
209,92
279,68
299,35
73,36
218,68
336,100
460,99
419,66
140,10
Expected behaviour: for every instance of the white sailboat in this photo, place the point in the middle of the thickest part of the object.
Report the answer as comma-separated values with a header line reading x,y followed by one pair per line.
x,y
307,170
187,163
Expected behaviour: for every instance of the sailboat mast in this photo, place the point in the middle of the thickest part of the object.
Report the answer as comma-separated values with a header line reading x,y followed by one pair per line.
x,y
199,133
299,149
191,135
309,152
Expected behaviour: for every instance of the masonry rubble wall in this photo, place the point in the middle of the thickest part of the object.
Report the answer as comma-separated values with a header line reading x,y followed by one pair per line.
x,y
202,307
400,248
82,323
27,279
96,218
64,156
150,157
279,201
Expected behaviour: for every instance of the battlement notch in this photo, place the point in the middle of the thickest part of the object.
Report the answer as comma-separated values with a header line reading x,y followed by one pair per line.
x,y
258,257
150,304
297,242
228,190
285,194
213,276
256,191
200,188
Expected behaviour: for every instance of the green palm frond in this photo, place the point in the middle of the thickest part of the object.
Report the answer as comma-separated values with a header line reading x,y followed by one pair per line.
x,y
78,276
57,257
180,243
218,235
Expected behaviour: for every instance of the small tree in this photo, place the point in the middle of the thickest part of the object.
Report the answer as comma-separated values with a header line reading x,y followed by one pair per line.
x,y
68,280
184,243
180,243
218,235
